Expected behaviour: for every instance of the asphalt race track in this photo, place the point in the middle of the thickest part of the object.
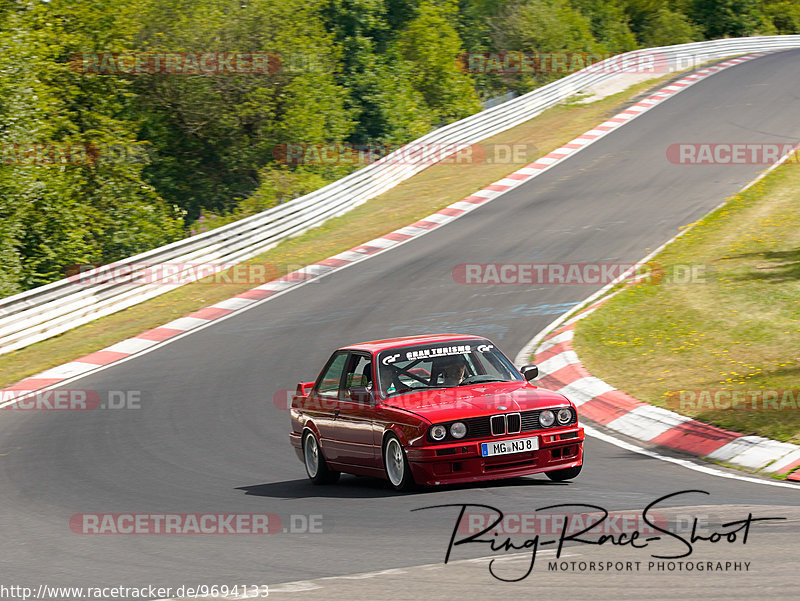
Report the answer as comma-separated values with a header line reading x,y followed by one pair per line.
x,y
209,438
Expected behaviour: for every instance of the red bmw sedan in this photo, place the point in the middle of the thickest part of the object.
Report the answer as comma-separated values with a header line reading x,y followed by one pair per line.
x,y
430,410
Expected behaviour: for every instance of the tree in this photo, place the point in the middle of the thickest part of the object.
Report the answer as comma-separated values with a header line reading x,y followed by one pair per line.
x,y
784,16
430,46
551,29
609,24
727,18
666,28
71,201
213,134
382,98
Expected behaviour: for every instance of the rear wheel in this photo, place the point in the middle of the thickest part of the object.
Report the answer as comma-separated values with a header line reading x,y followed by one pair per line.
x,y
316,466
566,474
396,464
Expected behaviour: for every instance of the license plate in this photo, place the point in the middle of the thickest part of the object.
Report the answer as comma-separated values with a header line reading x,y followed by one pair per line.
x,y
506,447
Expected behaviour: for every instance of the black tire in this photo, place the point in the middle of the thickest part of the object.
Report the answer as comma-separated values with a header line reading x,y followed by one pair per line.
x,y
565,474
395,463
316,466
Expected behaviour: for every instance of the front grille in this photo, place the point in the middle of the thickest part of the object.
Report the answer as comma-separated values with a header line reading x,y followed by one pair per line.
x,y
530,421
498,423
505,423
477,427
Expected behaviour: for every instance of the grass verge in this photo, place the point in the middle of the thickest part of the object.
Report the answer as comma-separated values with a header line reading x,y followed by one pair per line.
x,y
427,192
717,337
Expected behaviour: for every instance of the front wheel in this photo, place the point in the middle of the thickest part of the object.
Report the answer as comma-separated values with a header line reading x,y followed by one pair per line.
x,y
565,474
396,464
316,466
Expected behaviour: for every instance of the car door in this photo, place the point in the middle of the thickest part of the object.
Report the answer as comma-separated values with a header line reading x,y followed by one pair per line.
x,y
354,424
323,402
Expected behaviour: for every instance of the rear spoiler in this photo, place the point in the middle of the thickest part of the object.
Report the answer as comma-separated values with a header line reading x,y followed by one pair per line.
x,y
303,388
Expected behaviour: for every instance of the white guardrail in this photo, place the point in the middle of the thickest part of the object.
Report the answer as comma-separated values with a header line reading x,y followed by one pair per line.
x,y
54,308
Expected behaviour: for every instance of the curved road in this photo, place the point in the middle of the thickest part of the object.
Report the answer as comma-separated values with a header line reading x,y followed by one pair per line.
x,y
208,437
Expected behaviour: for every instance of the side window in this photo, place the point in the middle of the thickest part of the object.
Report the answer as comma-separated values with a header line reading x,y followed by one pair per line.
x,y
359,374
331,378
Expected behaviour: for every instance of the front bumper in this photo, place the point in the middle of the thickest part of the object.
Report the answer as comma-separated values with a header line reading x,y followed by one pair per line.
x,y
452,463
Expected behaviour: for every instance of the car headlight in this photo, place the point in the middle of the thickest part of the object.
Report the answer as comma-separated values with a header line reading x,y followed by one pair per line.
x,y
458,430
438,432
547,418
564,416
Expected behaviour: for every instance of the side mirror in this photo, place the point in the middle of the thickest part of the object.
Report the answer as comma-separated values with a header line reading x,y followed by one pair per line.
x,y
360,394
530,372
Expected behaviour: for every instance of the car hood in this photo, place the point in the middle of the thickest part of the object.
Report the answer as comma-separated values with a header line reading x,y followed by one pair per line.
x,y
476,400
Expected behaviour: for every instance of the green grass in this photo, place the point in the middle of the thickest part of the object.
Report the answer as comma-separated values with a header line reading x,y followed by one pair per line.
x,y
735,328
425,193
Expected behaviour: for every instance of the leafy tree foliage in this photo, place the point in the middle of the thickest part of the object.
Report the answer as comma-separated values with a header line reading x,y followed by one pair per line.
x,y
59,202
212,134
728,18
667,27
610,24
129,161
783,15
429,45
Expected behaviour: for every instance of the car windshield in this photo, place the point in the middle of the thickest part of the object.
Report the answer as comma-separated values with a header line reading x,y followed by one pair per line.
x,y
442,365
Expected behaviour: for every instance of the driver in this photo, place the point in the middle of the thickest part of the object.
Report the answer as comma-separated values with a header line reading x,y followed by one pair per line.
x,y
453,369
